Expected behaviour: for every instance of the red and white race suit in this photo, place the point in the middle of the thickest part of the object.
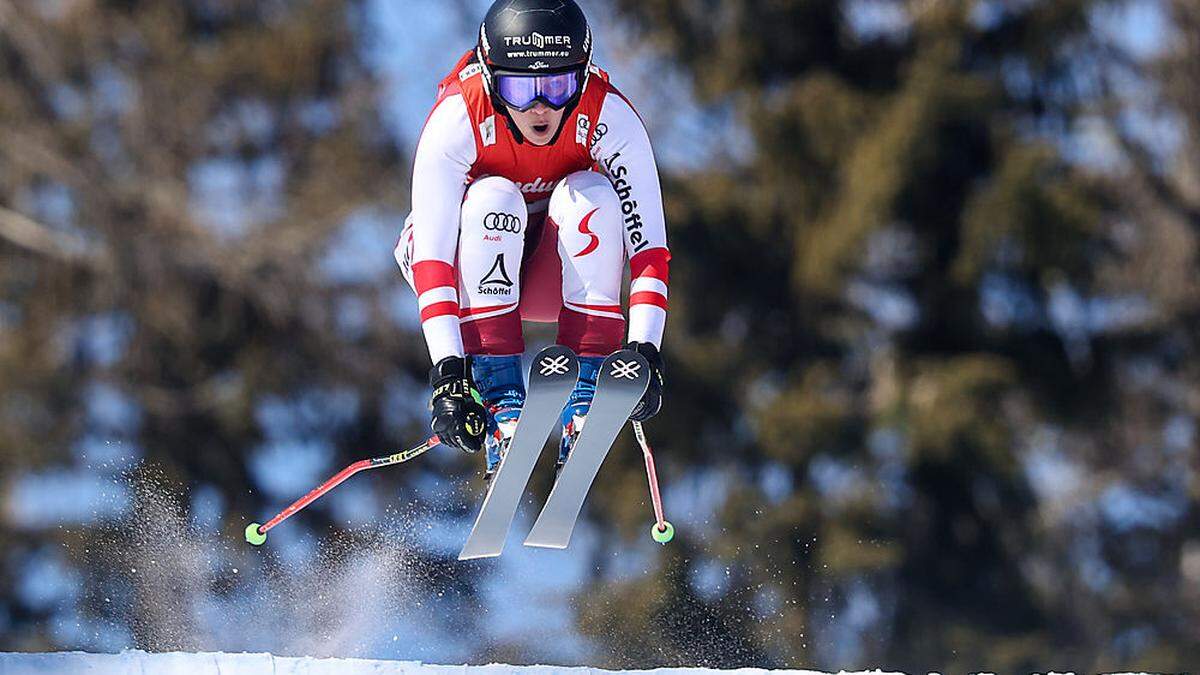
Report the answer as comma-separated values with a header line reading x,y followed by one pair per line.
x,y
502,231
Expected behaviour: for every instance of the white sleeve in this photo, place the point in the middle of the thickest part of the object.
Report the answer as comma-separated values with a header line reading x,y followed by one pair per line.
x,y
622,147
445,154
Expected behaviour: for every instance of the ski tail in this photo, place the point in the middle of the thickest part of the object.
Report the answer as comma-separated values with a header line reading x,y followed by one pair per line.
x,y
623,379
552,377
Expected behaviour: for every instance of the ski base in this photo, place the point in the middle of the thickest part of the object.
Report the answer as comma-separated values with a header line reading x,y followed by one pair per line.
x,y
623,379
552,377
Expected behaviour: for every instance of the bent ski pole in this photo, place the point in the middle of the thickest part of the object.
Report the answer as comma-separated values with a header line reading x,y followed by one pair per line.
x,y
257,534
662,531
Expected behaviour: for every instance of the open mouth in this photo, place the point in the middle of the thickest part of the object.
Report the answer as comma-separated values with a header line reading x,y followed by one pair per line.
x,y
541,127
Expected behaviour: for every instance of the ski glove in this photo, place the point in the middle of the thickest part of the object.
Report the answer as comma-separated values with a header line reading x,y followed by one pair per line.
x,y
651,401
459,419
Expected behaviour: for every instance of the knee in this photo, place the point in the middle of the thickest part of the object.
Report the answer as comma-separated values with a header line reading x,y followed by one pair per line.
x,y
581,193
496,204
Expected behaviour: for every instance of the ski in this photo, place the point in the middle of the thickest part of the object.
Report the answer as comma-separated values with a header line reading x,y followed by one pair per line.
x,y
623,379
552,377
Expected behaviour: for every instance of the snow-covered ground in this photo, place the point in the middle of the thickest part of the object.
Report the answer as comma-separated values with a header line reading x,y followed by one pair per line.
x,y
216,663
220,663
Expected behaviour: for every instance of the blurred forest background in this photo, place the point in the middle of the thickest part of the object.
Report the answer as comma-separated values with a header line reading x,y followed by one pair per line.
x,y
933,374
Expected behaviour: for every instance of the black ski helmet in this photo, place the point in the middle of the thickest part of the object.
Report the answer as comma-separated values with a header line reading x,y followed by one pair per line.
x,y
534,36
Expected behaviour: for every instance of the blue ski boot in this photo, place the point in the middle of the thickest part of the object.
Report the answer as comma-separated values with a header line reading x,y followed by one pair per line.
x,y
502,387
574,414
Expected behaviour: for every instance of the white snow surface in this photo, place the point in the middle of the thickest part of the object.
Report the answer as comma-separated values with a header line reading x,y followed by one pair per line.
x,y
218,663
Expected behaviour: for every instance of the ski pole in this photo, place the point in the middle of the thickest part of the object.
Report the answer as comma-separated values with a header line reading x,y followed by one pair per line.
x,y
662,531
257,534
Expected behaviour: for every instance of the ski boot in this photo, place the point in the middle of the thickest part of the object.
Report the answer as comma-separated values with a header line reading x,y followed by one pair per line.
x,y
575,413
502,388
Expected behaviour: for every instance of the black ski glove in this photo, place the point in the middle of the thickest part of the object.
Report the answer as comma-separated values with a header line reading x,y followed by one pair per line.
x,y
459,419
651,401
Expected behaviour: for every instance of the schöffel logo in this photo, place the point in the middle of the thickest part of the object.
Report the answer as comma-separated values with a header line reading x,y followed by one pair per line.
x,y
502,222
537,40
617,173
496,281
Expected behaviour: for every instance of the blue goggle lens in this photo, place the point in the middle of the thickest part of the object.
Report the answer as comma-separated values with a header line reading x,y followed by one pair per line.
x,y
522,91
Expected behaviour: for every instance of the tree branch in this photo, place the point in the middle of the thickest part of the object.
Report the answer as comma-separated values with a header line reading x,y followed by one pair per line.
x,y
33,236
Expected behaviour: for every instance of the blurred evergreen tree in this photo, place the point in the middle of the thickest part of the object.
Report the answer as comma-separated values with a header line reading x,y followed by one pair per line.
x,y
178,182
908,340
932,353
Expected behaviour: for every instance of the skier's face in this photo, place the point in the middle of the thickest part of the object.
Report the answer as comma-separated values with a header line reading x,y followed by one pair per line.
x,y
538,124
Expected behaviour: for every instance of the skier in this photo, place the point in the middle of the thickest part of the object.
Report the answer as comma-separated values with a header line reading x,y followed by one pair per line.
x,y
533,182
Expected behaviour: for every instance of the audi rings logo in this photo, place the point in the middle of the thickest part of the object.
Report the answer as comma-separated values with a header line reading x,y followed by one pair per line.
x,y
601,131
502,222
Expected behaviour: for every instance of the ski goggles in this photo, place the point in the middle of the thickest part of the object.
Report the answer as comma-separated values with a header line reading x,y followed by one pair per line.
x,y
522,91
